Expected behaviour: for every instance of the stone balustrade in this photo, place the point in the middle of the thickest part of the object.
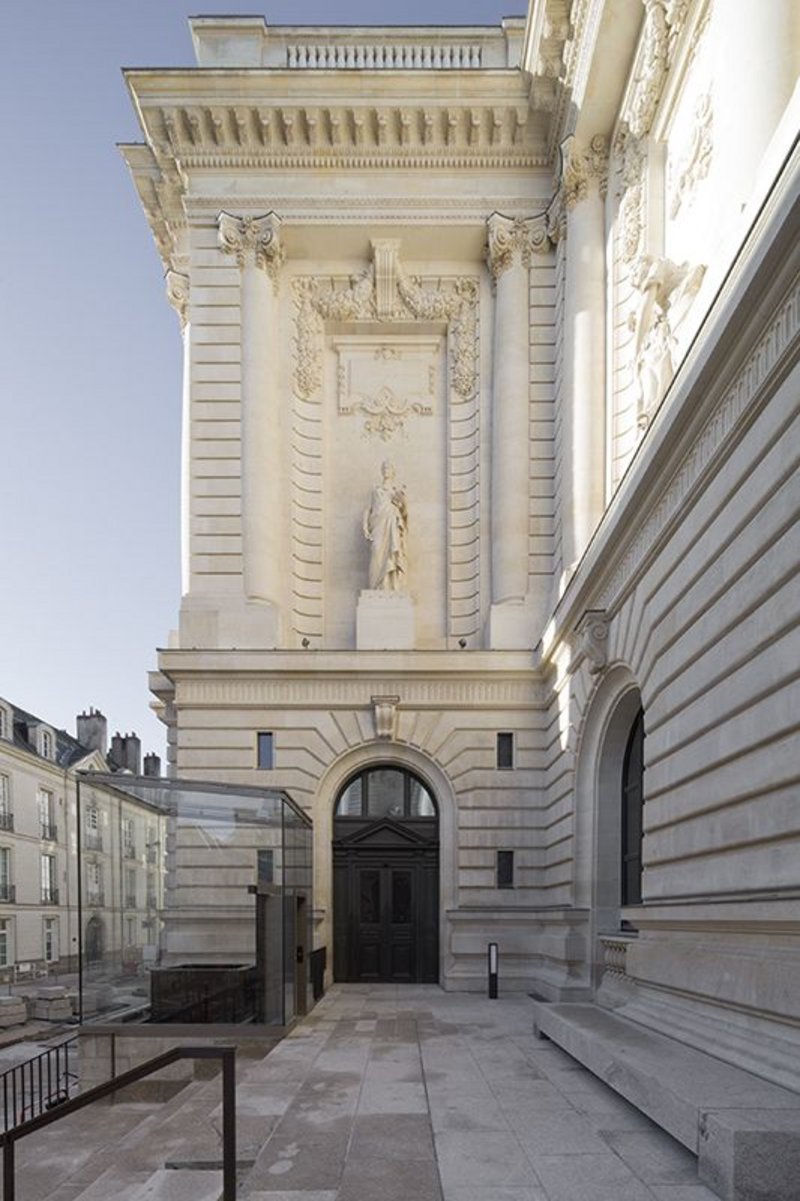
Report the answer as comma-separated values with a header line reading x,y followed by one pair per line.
x,y
390,57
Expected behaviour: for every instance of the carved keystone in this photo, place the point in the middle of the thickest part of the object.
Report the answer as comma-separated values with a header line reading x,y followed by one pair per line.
x,y
384,710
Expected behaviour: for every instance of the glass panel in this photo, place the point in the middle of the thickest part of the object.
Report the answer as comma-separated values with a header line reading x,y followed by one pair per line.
x,y
385,788
265,751
421,800
350,800
370,896
168,919
401,897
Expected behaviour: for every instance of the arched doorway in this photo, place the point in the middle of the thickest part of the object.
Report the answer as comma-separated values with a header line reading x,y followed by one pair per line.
x,y
386,878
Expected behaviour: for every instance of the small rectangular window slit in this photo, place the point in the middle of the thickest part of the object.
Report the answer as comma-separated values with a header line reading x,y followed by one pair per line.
x,y
265,751
505,751
505,869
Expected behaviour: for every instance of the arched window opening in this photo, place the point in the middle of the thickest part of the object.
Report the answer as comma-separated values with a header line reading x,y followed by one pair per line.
x,y
385,792
632,814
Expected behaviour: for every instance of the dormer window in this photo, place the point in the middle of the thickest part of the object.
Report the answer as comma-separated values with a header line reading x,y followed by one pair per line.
x,y
6,722
46,742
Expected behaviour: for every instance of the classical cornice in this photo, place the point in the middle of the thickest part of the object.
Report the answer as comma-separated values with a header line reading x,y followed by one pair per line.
x,y
329,679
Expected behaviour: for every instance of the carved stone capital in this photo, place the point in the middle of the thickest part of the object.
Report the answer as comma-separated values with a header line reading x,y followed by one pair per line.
x,y
592,632
253,240
384,710
511,239
177,286
582,166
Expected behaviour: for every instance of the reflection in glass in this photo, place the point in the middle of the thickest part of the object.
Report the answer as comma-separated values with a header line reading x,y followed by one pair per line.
x,y
385,793
203,922
421,801
350,800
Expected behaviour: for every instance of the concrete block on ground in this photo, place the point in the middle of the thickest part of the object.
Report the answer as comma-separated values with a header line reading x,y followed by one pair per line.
x,y
751,1154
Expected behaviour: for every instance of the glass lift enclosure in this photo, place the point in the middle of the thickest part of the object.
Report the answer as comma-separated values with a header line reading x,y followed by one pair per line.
x,y
193,902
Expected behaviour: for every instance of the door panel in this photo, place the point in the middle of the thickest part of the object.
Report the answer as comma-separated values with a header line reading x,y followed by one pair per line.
x,y
386,909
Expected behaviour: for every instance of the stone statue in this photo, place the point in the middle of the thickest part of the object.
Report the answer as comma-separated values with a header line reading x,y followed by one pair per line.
x,y
666,291
385,526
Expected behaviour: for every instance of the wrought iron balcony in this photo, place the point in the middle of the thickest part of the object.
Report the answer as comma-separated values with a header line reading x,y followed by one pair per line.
x,y
130,900
49,896
6,821
129,851
49,831
8,894
152,854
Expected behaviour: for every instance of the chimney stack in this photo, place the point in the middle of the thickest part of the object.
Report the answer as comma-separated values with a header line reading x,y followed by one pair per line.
x,y
92,730
152,765
126,752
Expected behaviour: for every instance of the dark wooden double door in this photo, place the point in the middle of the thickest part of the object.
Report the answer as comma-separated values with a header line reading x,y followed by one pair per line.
x,y
386,905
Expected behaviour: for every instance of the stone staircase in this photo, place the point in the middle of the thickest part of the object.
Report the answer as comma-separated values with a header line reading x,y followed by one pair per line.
x,y
123,1150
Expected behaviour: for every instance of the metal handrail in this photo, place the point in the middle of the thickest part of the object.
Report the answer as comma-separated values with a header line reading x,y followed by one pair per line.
x,y
46,1076
9,1139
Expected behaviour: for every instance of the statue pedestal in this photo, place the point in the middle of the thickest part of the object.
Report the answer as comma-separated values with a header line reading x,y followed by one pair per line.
x,y
384,621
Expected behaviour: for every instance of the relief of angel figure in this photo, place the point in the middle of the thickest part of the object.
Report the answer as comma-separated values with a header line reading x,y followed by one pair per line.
x,y
666,291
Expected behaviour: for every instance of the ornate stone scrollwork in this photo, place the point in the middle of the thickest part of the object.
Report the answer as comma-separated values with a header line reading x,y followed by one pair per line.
x,y
384,711
177,286
696,162
651,68
509,237
582,165
454,301
631,155
592,632
253,240
666,291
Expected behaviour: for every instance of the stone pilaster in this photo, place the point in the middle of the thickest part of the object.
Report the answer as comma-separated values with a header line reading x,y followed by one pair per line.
x,y
178,293
255,242
583,185
511,242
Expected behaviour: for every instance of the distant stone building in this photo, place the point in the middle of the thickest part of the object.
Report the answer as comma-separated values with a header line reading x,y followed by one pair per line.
x,y
489,487
121,849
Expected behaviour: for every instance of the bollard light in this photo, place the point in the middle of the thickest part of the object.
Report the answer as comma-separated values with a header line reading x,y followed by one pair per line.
x,y
493,960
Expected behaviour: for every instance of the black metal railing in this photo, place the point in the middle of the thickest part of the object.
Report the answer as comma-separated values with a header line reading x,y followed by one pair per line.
x,y
9,1138
8,893
38,1084
49,896
6,821
49,831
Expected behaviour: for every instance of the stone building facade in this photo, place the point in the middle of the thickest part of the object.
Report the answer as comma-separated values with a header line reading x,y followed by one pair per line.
x,y
548,273
46,914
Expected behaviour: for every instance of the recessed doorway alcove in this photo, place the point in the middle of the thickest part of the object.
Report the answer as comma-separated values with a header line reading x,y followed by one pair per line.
x,y
386,878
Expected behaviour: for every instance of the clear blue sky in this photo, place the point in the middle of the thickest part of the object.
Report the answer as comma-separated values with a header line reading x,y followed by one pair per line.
x,y
90,363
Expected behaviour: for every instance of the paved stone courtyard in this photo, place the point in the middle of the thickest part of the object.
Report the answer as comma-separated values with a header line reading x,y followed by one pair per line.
x,y
387,1093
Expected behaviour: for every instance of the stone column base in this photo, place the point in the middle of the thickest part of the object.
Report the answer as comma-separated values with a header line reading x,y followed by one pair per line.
x,y
384,621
